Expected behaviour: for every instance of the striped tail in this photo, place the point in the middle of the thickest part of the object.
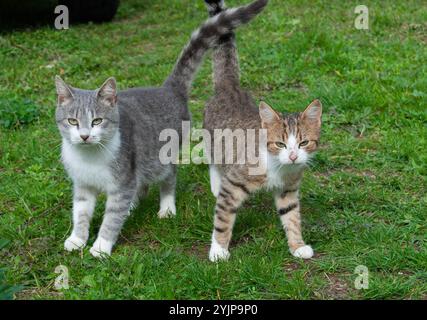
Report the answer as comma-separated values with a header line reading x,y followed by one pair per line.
x,y
226,71
206,37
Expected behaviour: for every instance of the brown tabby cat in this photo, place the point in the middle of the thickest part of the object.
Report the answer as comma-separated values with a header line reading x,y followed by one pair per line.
x,y
292,140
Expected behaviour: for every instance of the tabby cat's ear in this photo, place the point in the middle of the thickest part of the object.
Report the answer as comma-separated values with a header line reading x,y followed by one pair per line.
x,y
64,91
313,113
267,114
107,94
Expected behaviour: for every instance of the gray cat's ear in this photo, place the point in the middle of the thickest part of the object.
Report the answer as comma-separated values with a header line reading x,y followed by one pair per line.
x,y
267,114
64,91
107,94
313,112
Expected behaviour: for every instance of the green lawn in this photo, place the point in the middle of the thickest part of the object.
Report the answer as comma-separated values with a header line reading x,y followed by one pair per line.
x,y
363,200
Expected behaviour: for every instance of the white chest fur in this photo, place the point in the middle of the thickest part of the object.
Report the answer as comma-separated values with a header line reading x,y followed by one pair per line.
x,y
285,176
89,167
280,176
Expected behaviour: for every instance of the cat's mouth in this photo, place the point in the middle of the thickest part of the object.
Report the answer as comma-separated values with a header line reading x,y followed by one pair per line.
x,y
86,143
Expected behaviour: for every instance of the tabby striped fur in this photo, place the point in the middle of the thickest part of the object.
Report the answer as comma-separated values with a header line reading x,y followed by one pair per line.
x,y
233,108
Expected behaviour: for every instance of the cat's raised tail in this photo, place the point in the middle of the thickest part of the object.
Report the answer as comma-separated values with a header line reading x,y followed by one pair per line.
x,y
205,37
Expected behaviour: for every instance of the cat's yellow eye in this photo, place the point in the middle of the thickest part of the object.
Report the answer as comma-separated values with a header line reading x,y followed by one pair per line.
x,y
96,121
303,144
280,145
73,122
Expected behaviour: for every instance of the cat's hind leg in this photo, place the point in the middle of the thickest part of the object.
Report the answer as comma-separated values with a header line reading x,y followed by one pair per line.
x,y
139,196
215,180
84,200
230,197
167,195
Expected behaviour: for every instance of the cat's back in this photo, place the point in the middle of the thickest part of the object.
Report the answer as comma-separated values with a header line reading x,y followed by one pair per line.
x,y
156,102
146,112
234,109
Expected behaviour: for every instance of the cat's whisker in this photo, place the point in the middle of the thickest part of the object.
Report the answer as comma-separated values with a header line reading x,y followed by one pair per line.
x,y
105,148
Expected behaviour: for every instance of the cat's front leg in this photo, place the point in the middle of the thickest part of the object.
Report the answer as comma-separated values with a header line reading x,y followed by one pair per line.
x,y
288,207
116,212
84,200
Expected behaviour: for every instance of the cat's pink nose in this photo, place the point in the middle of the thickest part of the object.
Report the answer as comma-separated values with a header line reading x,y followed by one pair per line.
x,y
293,157
84,137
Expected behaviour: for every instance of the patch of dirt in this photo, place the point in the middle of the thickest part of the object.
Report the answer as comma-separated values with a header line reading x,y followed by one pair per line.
x,y
418,30
136,237
240,240
198,189
199,250
7,206
29,252
405,273
131,18
418,245
295,265
40,244
336,289
298,86
31,293
363,174
291,266
337,285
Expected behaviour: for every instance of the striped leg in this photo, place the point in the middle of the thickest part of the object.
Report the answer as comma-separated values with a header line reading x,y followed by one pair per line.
x,y
287,204
84,200
230,197
116,213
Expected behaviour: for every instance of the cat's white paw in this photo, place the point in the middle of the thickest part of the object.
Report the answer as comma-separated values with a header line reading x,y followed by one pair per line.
x,y
163,214
304,252
74,243
167,207
218,253
101,248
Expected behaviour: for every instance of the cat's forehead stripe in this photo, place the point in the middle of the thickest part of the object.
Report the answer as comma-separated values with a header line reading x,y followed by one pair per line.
x,y
291,124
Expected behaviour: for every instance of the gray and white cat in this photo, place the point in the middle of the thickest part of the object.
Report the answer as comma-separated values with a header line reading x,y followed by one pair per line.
x,y
110,139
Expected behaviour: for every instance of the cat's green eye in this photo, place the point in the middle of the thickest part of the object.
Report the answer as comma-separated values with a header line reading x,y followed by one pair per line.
x,y
73,122
280,145
96,121
303,144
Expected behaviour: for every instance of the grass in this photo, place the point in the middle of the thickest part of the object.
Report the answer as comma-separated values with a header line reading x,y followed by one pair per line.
x,y
363,201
